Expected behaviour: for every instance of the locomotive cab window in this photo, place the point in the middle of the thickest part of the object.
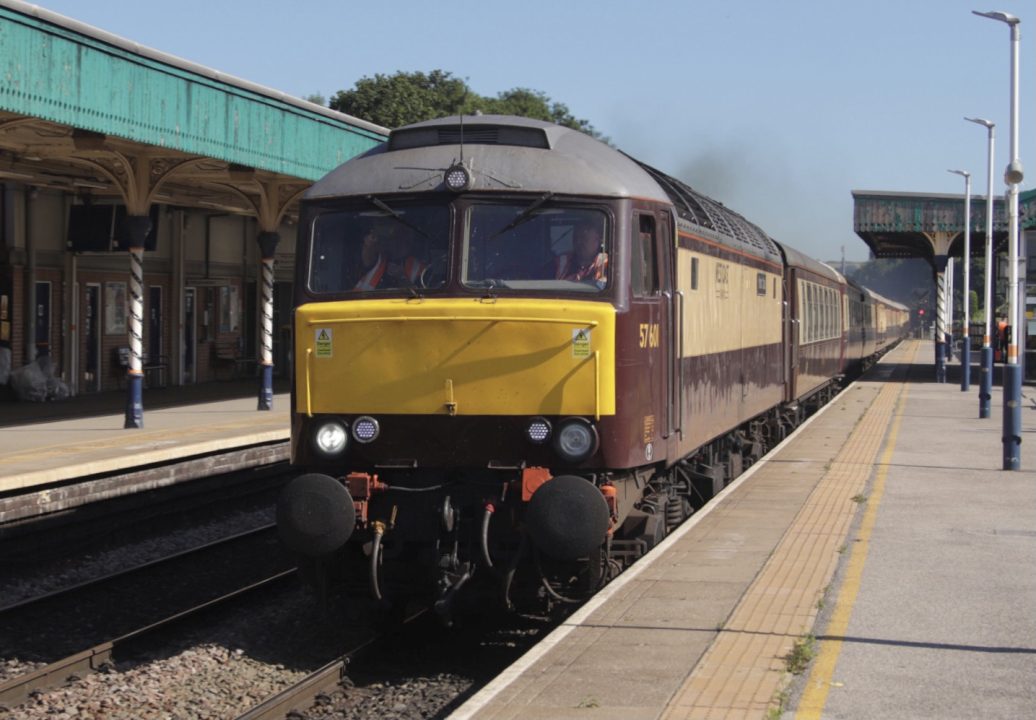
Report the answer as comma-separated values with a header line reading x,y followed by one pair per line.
x,y
644,273
536,246
379,248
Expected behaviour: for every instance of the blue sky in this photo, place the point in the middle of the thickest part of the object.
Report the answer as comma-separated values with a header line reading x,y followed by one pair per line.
x,y
777,108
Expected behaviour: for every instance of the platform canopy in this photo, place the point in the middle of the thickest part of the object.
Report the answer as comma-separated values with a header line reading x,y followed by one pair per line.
x,y
92,113
923,225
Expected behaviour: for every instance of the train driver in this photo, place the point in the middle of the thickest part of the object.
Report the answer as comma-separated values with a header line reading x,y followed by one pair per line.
x,y
387,259
587,262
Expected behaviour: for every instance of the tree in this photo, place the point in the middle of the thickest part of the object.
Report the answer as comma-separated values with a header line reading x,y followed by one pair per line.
x,y
896,279
404,98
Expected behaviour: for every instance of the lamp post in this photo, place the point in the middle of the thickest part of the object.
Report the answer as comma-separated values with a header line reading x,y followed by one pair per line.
x,y
985,385
965,351
948,304
1012,429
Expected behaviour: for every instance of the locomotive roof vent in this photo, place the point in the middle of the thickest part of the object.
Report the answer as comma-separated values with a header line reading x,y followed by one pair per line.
x,y
470,134
708,213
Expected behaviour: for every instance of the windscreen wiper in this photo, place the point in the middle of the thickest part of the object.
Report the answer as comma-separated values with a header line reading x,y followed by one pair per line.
x,y
524,215
380,204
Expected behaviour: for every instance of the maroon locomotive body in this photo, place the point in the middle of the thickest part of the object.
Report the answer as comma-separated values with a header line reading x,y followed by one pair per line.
x,y
521,353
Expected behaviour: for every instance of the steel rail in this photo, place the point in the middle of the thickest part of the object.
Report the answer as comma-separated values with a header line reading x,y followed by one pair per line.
x,y
302,695
128,572
17,690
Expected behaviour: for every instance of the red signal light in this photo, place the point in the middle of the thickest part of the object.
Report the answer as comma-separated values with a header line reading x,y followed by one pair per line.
x,y
921,311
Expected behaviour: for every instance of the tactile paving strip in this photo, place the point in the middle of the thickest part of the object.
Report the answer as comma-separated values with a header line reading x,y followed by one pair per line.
x,y
744,669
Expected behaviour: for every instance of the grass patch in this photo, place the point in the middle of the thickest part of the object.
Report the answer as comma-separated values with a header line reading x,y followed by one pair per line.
x,y
588,702
859,499
776,709
798,658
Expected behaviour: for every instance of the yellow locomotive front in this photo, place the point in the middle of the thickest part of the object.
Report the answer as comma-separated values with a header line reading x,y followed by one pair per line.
x,y
422,329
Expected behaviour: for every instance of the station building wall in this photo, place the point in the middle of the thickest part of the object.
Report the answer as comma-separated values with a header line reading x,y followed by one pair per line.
x,y
210,256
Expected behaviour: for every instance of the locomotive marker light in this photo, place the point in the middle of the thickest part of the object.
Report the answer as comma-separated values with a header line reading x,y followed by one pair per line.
x,y
538,431
458,178
330,439
576,440
1011,434
965,351
985,386
366,429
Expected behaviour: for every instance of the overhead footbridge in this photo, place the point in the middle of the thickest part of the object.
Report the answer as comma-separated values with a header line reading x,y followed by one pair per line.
x,y
931,227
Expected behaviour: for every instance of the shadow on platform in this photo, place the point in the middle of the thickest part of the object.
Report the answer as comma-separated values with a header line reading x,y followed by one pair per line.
x,y
14,412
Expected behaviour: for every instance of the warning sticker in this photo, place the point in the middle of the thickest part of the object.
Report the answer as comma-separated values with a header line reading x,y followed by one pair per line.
x,y
323,343
581,343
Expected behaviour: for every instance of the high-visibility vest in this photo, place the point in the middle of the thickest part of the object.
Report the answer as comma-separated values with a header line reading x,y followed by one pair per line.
x,y
412,269
564,268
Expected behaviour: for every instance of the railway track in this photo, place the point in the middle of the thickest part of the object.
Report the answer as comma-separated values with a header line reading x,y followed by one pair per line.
x,y
49,631
302,695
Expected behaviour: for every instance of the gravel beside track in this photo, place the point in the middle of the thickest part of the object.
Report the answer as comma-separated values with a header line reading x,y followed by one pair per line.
x,y
26,579
216,670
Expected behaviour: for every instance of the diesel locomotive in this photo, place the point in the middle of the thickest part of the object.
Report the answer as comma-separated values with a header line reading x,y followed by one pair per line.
x,y
522,356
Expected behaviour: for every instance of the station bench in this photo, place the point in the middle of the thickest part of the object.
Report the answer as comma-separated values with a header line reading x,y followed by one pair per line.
x,y
154,368
227,353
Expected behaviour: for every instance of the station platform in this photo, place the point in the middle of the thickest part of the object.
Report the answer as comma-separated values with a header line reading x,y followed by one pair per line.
x,y
877,564
46,450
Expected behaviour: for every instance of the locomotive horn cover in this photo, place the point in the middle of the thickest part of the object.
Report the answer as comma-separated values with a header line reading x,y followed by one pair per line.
x,y
567,517
315,515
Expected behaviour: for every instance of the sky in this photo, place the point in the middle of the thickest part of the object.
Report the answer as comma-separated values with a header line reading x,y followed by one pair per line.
x,y
776,108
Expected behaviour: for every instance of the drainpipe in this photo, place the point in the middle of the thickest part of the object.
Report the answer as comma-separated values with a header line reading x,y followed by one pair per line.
x,y
29,194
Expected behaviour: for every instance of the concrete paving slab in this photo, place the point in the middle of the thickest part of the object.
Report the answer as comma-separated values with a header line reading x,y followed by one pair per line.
x,y
944,621
46,452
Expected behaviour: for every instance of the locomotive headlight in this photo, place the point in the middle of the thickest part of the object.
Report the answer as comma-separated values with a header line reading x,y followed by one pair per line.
x,y
575,440
330,438
365,429
458,178
538,431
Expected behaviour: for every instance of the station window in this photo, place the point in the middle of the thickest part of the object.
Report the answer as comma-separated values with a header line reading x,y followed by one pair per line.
x,y
760,284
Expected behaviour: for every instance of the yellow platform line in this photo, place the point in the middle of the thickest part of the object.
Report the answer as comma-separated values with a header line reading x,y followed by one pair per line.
x,y
814,696
744,669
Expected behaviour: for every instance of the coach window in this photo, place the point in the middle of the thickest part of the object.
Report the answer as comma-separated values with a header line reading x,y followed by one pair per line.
x,y
814,314
645,270
694,273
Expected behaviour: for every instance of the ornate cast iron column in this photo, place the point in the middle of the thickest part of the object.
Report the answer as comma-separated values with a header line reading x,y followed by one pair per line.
x,y
136,228
267,248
